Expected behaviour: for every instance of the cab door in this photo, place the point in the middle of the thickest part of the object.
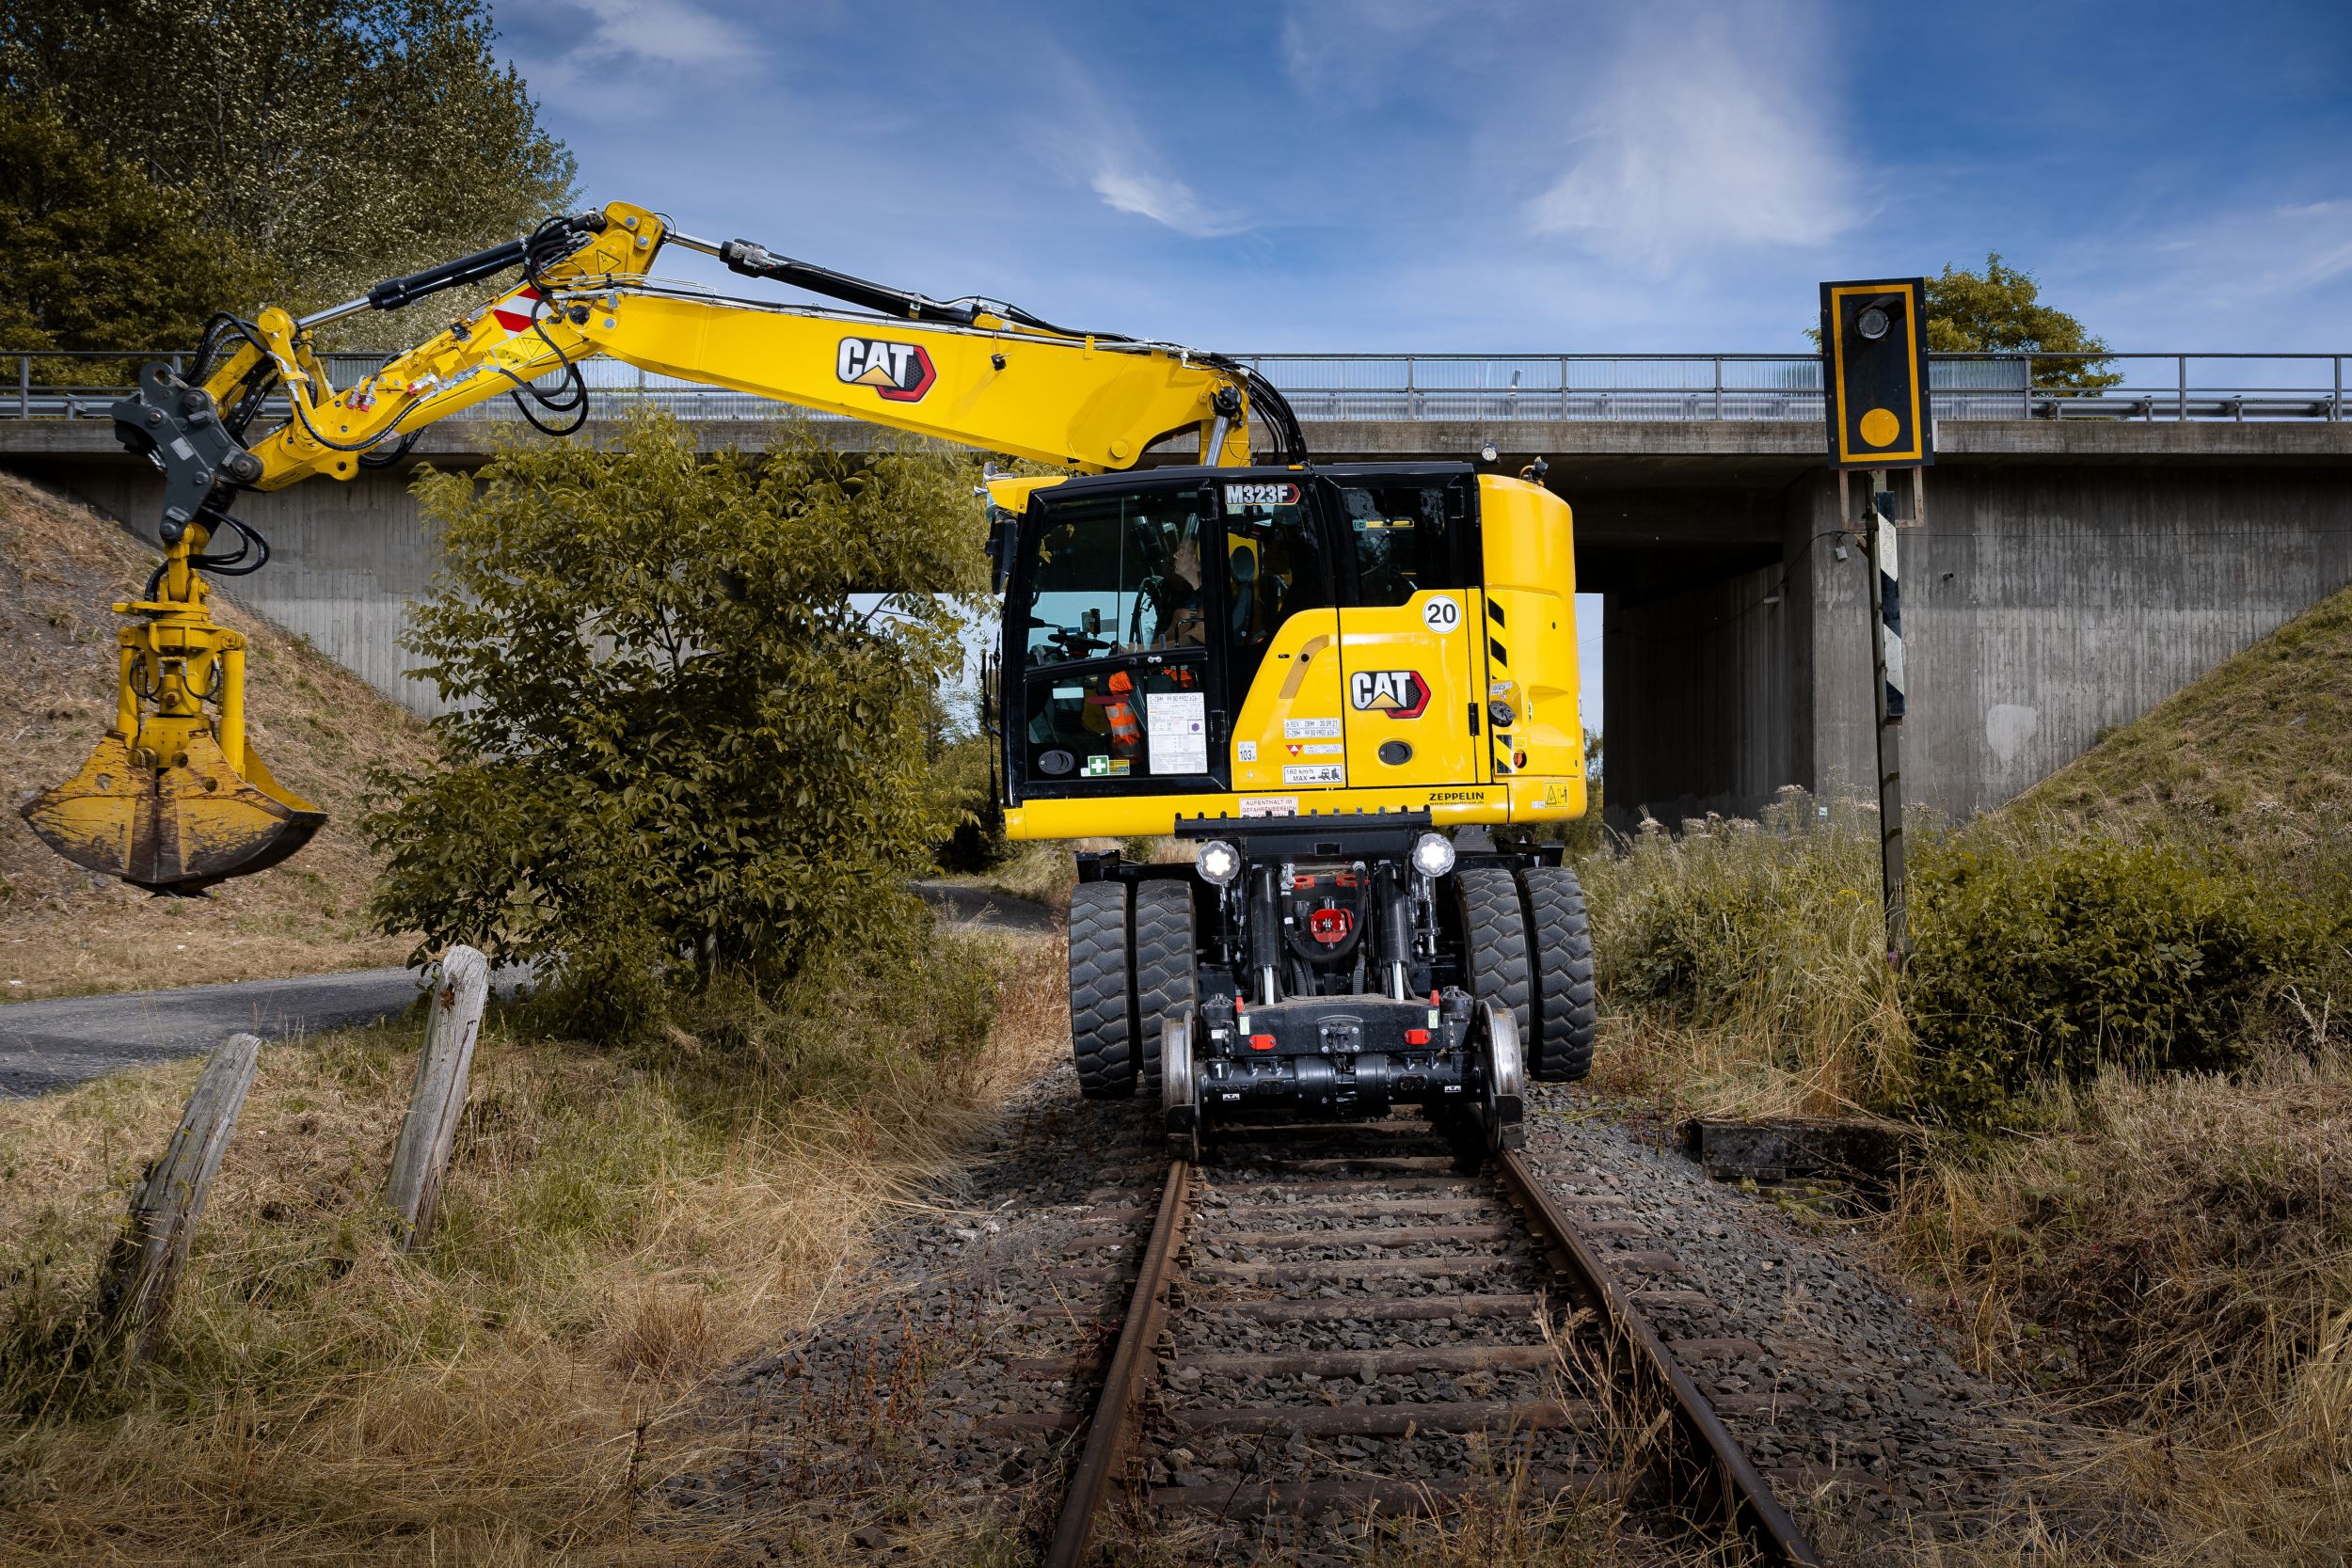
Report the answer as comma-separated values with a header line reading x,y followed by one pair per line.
x,y
1412,665
1107,644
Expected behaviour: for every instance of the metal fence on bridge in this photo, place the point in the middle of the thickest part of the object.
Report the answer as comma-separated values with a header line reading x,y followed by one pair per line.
x,y
1746,387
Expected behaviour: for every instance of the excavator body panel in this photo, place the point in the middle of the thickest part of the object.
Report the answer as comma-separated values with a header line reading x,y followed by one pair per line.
x,y
1264,642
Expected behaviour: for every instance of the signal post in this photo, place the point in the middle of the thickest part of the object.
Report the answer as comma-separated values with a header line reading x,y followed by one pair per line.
x,y
1875,399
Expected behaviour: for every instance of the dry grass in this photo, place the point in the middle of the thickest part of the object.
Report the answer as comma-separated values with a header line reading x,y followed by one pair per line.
x,y
2172,1259
64,932
611,1235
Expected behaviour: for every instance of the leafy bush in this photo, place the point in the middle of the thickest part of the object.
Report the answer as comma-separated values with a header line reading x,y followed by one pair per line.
x,y
694,703
2051,961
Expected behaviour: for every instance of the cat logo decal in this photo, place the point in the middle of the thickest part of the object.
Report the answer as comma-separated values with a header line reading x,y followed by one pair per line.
x,y
898,373
1398,694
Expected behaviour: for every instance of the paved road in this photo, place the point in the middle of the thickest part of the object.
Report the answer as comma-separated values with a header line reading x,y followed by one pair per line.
x,y
48,1045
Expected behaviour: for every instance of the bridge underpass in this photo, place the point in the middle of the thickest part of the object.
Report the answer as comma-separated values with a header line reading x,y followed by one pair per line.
x,y
2066,576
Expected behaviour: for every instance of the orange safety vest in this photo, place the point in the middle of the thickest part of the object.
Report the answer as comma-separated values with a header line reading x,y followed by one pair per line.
x,y
1119,708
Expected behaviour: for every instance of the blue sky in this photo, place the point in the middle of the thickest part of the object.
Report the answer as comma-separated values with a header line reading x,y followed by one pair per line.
x,y
1484,175
1419,174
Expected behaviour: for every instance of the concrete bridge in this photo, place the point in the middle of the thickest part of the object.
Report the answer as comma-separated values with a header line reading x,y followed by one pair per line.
x,y
2067,573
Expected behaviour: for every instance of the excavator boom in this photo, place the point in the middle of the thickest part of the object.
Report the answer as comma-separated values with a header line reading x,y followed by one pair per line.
x,y
176,798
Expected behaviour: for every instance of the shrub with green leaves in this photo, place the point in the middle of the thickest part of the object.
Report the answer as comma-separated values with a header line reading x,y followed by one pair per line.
x,y
694,701
2045,961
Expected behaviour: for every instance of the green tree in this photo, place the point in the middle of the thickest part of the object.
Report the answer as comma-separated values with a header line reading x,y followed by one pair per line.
x,y
2000,310
103,257
697,712
344,140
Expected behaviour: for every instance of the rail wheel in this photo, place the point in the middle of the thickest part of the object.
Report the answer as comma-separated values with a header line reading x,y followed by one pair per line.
x,y
1180,1097
1502,1094
1494,941
1102,993
1165,977
1560,949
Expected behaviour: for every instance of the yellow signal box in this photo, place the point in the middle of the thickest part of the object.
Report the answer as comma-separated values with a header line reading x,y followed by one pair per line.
x,y
1874,350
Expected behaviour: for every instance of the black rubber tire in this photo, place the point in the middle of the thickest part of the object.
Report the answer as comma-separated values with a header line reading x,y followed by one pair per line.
x,y
1102,992
1560,942
1494,941
1166,971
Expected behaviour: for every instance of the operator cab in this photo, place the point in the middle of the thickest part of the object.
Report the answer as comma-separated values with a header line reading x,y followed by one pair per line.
x,y
1142,612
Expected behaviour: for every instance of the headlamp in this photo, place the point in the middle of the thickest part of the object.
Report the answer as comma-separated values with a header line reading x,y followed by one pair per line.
x,y
1218,861
1433,854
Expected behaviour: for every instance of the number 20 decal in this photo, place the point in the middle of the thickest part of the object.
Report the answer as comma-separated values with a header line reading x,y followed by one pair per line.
x,y
1441,614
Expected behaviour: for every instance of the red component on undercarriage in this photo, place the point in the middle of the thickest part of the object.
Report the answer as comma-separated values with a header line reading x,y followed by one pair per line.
x,y
1330,926
1261,1042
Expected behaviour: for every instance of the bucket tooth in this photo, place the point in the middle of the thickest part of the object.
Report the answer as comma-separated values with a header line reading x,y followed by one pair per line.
x,y
177,829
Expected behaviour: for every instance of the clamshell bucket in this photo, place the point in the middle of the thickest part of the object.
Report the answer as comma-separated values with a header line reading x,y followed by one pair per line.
x,y
173,800
174,828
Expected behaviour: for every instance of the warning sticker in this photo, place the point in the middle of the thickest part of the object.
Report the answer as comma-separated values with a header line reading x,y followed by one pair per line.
x,y
1179,731
1310,729
1314,748
1315,772
1269,805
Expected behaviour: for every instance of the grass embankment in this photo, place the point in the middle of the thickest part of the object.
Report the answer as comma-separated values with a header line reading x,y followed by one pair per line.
x,y
613,1232
63,931
2124,1036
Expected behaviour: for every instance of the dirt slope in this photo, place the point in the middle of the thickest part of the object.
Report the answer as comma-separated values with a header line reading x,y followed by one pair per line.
x,y
63,931
2264,741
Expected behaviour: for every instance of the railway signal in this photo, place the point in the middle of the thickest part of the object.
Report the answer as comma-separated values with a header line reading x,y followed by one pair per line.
x,y
1880,418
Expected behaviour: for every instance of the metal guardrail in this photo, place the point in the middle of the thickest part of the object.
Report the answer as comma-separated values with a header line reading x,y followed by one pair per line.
x,y
1745,387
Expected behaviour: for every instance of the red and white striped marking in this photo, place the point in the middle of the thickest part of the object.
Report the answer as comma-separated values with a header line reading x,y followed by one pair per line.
x,y
514,312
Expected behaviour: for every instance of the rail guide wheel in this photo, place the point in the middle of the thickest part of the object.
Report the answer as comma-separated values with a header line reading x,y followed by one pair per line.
x,y
1180,1094
1503,1088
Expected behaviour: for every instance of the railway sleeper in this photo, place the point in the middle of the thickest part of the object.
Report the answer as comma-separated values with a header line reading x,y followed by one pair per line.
x,y
1395,1497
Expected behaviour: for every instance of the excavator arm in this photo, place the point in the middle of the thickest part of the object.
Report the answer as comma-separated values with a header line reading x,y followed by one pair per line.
x,y
175,796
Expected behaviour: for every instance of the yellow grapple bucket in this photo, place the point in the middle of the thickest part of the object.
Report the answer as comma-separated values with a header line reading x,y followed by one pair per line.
x,y
174,798
176,828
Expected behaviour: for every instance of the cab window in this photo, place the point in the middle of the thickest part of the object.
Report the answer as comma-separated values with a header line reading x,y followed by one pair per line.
x,y
1404,542
1275,568
1117,575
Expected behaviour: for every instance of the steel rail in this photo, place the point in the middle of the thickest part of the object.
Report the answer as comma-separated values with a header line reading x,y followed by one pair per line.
x,y
1108,1433
1713,1458
1707,1461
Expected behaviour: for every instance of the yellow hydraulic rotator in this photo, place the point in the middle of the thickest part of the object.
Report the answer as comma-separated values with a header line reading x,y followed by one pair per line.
x,y
169,800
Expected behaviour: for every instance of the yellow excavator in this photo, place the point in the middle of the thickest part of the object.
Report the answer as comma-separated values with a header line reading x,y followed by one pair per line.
x,y
1310,672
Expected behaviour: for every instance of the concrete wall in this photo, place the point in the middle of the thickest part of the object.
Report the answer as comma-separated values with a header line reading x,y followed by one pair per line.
x,y
345,561
2043,604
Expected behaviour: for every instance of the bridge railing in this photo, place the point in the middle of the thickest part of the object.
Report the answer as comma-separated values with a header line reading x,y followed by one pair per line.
x,y
1484,387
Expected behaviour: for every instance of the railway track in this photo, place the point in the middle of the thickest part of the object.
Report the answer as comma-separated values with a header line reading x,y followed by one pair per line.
x,y
1362,1318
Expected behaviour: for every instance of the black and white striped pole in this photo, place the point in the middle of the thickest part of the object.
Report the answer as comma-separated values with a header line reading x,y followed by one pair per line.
x,y
1875,399
1886,661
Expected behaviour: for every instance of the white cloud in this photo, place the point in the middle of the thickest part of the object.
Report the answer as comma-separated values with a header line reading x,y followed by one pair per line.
x,y
662,32
2251,277
1697,140
600,37
1096,143
1164,201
